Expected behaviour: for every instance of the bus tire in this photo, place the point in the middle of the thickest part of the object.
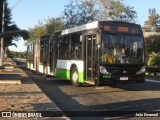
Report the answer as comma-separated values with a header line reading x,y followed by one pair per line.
x,y
75,77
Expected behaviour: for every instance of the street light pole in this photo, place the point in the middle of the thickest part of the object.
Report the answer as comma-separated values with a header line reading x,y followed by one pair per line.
x,y
2,39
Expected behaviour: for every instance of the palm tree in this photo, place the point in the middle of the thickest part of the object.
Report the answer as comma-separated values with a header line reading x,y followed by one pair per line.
x,y
9,25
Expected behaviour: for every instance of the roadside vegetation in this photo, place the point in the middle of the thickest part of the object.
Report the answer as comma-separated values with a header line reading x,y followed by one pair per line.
x,y
152,43
13,54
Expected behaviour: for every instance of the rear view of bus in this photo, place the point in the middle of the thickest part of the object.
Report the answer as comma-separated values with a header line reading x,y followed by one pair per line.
x,y
121,53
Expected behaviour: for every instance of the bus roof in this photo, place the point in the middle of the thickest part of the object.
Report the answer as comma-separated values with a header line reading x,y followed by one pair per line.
x,y
93,25
87,26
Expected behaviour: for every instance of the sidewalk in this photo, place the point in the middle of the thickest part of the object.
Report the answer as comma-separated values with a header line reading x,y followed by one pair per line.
x,y
18,93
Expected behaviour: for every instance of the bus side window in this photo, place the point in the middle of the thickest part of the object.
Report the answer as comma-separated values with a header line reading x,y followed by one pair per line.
x,y
42,51
66,46
60,48
76,47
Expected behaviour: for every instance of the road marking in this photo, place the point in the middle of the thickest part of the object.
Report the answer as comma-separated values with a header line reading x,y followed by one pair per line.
x,y
155,81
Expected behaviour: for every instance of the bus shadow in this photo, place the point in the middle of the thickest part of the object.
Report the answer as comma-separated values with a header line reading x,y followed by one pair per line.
x,y
139,87
147,86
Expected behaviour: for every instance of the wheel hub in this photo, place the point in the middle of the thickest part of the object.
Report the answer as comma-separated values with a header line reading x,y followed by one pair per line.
x,y
75,76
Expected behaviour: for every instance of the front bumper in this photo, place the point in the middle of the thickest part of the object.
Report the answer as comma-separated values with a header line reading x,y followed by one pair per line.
x,y
122,79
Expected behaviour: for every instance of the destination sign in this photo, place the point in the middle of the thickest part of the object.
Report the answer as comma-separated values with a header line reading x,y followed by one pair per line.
x,y
122,29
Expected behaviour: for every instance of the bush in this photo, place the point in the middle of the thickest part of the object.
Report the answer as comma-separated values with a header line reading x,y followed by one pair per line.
x,y
154,60
153,69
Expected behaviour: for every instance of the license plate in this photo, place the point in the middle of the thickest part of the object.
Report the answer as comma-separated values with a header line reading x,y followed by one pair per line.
x,y
123,78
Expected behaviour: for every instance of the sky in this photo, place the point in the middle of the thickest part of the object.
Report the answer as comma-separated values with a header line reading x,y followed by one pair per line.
x,y
27,13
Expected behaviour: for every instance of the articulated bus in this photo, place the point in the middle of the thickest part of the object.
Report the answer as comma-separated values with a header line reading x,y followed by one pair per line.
x,y
97,53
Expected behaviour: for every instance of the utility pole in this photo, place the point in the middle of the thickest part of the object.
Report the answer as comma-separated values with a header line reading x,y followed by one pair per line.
x,y
2,39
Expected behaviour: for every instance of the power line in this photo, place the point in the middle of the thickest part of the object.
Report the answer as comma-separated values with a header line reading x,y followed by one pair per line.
x,y
13,7
16,4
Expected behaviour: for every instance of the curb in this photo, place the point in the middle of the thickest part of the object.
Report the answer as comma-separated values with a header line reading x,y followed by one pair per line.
x,y
10,82
151,80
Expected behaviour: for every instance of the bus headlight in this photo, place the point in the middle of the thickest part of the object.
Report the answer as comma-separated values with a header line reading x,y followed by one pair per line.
x,y
103,70
142,70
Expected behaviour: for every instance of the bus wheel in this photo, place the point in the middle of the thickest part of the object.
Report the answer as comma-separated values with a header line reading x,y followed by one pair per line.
x,y
75,77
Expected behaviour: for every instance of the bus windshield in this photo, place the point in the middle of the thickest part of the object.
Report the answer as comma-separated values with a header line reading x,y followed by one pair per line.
x,y
122,49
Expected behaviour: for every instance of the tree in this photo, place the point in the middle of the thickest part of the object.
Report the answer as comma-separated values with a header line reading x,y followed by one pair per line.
x,y
8,24
36,32
153,20
152,43
86,11
49,26
79,12
116,10
53,25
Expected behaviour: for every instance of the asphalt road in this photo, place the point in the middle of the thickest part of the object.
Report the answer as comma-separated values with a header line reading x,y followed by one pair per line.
x,y
120,99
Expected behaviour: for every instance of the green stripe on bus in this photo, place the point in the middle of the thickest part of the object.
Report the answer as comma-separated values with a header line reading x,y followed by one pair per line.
x,y
81,77
62,73
29,64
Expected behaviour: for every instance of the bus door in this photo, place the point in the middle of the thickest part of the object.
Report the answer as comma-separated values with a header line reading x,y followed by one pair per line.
x,y
90,52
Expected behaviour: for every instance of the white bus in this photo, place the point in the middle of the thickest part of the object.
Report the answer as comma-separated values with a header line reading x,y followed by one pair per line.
x,y
96,53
